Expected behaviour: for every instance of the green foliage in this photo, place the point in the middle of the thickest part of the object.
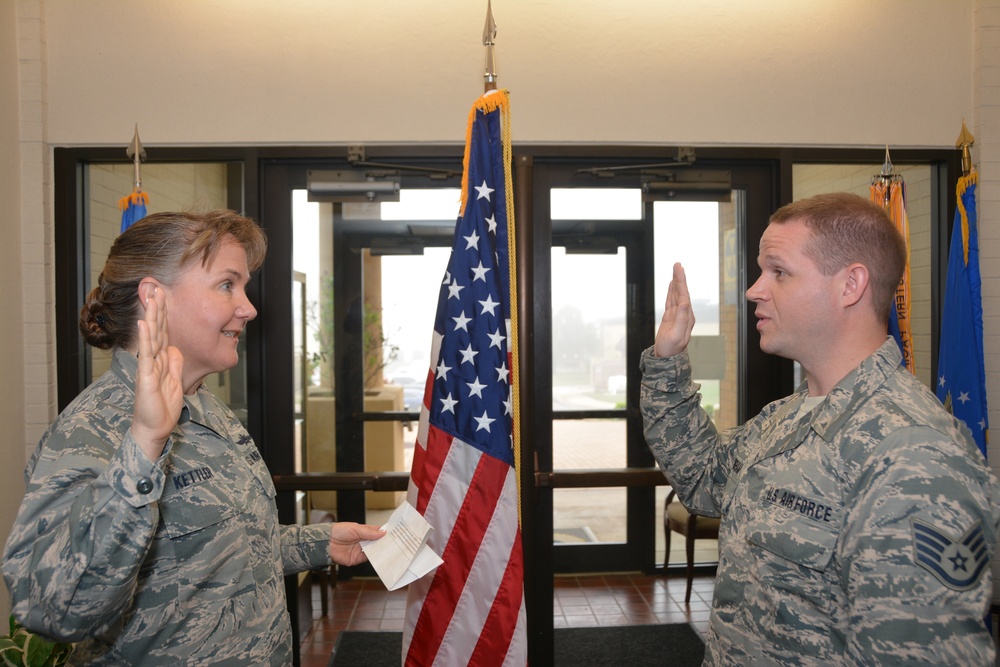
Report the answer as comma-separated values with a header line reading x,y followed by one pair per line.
x,y
22,648
377,349
379,352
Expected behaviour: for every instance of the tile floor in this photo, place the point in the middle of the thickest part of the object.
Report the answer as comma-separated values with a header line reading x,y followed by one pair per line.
x,y
580,601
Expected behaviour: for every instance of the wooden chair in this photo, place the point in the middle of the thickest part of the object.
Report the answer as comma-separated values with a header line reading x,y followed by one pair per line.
x,y
676,518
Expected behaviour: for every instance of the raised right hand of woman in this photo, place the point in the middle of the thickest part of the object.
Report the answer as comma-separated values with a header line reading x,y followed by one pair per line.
x,y
159,394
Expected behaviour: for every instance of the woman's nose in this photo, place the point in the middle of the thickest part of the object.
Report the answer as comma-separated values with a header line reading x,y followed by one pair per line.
x,y
246,309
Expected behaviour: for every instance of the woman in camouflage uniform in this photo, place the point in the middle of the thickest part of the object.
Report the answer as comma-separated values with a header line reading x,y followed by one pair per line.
x,y
149,532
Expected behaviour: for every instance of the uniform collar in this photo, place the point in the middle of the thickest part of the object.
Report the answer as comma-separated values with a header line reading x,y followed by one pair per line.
x,y
857,386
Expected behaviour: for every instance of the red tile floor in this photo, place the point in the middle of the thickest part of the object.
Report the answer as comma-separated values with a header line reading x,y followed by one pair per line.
x,y
580,601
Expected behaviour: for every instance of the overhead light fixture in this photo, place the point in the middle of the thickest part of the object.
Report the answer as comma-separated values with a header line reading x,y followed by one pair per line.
x,y
351,186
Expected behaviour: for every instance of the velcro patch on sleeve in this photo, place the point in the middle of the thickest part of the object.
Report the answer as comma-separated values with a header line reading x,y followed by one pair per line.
x,y
956,563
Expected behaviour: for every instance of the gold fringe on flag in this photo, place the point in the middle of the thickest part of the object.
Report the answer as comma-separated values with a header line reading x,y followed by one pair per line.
x,y
963,183
137,197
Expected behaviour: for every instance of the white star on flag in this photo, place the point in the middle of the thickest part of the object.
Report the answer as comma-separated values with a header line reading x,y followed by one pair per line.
x,y
473,241
461,321
448,404
496,339
484,191
469,355
479,272
475,388
484,422
489,305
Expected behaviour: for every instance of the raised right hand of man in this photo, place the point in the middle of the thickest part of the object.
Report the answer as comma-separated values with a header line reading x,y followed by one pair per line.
x,y
674,332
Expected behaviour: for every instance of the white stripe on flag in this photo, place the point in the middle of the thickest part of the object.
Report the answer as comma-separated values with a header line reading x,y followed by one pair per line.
x,y
483,581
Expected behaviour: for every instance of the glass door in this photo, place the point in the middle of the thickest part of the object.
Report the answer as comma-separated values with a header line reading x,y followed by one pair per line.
x,y
595,265
602,283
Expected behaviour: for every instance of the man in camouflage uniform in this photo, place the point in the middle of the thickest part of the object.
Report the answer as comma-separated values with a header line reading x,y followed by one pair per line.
x,y
858,516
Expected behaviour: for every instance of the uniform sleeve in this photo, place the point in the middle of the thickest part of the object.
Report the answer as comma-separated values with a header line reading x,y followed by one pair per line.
x,y
919,535
84,527
305,547
680,433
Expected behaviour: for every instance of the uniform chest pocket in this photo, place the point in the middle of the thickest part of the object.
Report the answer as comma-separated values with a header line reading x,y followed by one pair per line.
x,y
194,509
800,530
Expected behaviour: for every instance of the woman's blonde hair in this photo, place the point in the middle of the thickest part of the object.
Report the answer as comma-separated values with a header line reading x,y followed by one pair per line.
x,y
161,246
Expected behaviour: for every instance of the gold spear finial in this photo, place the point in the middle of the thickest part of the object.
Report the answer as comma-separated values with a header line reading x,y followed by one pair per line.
x,y
137,153
965,141
489,34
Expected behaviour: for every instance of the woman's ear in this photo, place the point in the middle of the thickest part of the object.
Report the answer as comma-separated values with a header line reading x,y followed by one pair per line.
x,y
147,289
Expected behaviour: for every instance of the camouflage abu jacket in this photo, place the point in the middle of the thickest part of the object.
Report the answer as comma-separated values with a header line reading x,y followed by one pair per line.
x,y
860,534
177,562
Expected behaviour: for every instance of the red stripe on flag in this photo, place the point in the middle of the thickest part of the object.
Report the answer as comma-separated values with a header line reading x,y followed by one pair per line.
x,y
504,612
431,461
459,554
428,389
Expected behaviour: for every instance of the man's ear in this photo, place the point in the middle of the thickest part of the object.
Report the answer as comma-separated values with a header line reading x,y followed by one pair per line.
x,y
856,283
147,288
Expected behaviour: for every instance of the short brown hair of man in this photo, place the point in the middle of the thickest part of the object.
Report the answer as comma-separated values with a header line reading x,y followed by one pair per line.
x,y
161,246
847,228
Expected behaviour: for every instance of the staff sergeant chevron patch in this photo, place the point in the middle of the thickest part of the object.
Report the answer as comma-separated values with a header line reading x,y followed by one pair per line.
x,y
957,564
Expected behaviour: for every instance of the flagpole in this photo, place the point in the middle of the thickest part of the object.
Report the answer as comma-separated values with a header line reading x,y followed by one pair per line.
x,y
489,34
490,85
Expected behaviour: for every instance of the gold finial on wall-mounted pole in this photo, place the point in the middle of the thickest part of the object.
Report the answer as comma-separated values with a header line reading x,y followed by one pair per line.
x,y
489,34
965,141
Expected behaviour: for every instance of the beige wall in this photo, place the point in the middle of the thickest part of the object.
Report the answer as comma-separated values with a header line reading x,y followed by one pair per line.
x,y
11,296
648,71
213,72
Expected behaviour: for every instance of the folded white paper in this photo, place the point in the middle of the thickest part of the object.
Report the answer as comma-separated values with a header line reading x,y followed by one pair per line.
x,y
402,555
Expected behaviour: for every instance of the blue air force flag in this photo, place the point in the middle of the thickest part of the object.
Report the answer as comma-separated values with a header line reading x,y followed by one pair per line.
x,y
961,383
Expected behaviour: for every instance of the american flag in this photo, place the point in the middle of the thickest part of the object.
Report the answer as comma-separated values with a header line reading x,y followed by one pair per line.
x,y
470,610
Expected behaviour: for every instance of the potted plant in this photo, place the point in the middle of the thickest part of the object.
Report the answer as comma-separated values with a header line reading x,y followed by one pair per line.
x,y
23,648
